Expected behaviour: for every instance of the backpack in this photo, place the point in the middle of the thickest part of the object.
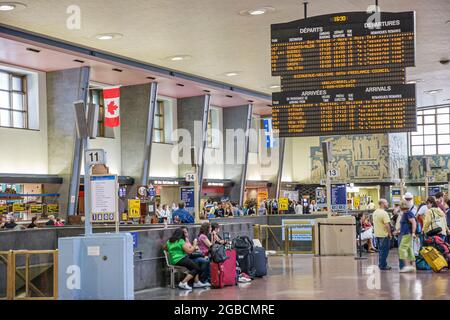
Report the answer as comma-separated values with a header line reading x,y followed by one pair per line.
x,y
243,243
218,253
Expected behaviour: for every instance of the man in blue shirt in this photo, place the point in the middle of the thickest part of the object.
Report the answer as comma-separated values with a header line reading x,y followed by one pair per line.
x,y
408,225
182,215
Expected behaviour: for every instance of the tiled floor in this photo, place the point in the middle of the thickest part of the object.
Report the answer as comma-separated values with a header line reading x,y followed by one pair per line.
x,y
308,277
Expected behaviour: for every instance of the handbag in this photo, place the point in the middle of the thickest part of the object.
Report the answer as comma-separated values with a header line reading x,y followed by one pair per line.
x,y
435,231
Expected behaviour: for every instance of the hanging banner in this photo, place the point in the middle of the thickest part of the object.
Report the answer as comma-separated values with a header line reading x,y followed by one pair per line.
x,y
112,106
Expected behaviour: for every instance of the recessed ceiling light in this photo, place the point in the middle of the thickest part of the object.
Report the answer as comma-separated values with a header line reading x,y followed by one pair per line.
x,y
108,36
275,86
414,81
433,91
7,7
256,11
232,74
178,57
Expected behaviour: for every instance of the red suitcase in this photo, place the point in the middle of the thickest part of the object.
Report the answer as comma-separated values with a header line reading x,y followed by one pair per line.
x,y
217,275
229,268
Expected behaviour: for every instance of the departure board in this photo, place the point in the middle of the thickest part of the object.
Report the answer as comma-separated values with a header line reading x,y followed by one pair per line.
x,y
344,73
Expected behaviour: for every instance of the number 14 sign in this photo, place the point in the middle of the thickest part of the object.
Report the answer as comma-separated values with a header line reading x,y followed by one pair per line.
x,y
95,156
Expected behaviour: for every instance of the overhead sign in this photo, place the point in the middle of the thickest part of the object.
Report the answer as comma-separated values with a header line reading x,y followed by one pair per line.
x,y
52,208
3,209
344,74
339,197
104,198
396,195
190,177
134,208
95,156
19,207
433,190
36,208
283,204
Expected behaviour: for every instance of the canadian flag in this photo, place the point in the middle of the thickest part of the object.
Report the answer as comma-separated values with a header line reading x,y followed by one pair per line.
x,y
112,106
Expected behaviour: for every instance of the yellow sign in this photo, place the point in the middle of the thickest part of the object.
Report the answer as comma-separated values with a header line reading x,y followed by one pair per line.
x,y
52,208
18,207
134,208
263,195
417,200
283,204
124,217
356,202
3,209
36,208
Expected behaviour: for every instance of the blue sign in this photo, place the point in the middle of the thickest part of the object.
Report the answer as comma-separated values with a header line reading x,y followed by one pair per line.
x,y
187,196
339,197
151,192
268,132
135,239
433,190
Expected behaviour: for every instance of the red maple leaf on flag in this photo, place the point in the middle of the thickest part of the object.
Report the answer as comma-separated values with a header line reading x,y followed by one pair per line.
x,y
112,107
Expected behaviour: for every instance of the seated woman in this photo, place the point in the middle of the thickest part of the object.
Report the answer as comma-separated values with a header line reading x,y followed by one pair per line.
x,y
179,251
203,242
367,233
199,258
214,235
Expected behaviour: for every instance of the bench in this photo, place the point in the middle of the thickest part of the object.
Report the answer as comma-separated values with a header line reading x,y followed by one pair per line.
x,y
173,270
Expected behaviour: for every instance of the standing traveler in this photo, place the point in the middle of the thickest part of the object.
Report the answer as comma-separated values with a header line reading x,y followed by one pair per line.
x,y
408,225
11,224
313,207
33,224
409,198
51,220
262,211
298,208
435,219
165,214
440,201
158,213
382,231
371,205
182,215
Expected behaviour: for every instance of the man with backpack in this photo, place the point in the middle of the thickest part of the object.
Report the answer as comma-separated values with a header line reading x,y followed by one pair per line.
x,y
182,215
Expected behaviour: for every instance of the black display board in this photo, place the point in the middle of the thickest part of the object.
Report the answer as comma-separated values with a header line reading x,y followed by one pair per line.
x,y
344,73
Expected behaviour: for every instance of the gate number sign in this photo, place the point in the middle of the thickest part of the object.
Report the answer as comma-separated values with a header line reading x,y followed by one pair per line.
x,y
95,156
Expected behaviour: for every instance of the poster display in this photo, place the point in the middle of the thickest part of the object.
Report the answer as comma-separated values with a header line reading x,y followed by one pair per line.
x,y
187,196
301,229
339,197
104,197
321,199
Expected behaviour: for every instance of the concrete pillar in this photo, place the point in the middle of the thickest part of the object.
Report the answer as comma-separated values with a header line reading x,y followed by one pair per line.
x,y
63,88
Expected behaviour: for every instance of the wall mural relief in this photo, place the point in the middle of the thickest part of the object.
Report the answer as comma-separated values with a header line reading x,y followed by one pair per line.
x,y
358,158
440,166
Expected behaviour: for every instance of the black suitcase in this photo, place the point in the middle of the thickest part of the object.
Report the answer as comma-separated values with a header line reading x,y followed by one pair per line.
x,y
244,250
260,261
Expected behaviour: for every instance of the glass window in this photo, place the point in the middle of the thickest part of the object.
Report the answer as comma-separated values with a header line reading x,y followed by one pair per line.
x,y
13,100
433,132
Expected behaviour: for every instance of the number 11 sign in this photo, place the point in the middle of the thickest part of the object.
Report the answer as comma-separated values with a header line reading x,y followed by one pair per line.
x,y
95,156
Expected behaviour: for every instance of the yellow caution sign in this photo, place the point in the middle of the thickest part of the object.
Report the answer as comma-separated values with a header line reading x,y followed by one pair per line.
x,y
134,208
283,204
356,202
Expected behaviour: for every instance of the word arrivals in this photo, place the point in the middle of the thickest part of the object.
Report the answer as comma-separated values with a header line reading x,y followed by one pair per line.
x,y
185,310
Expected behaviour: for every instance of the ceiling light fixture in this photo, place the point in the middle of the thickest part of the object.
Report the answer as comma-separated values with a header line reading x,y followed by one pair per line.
x,y
178,57
275,86
108,36
414,81
232,74
433,91
7,7
256,11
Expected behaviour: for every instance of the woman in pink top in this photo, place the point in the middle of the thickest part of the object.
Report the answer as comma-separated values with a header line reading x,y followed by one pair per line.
x,y
203,242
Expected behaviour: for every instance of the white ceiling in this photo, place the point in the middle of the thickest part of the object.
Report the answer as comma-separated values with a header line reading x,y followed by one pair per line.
x,y
220,40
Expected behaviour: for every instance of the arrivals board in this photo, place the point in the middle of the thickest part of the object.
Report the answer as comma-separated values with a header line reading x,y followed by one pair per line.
x,y
344,74
345,111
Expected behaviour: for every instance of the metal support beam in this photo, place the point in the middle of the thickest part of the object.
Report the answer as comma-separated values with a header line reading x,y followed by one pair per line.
x,y
74,186
201,157
149,133
305,7
281,148
247,144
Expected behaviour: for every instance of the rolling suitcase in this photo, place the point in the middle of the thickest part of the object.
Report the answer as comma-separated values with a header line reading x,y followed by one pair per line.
x,y
229,268
260,261
434,258
217,275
